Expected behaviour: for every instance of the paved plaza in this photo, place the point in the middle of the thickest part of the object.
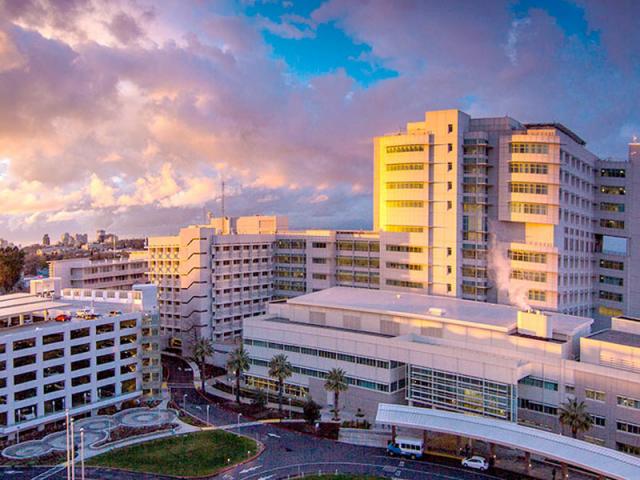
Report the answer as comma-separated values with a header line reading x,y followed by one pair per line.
x,y
96,430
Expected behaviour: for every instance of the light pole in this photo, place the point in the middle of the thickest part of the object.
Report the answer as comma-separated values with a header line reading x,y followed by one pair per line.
x,y
67,439
17,435
73,452
239,415
290,414
82,453
184,401
208,413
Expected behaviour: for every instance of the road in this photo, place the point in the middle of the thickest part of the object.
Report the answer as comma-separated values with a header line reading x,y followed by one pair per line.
x,y
287,453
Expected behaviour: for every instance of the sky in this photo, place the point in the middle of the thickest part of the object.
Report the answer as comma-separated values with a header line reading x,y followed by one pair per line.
x,y
127,115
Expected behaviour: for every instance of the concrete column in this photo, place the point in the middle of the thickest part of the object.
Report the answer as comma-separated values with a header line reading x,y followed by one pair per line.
x,y
492,449
527,461
393,433
425,440
565,471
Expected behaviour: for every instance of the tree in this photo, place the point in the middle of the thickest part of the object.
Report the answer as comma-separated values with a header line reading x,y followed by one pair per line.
x,y
573,414
311,411
280,369
260,400
202,349
336,382
11,265
238,363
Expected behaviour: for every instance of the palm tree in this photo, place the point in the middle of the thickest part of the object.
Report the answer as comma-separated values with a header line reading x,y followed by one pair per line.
x,y
238,363
280,369
573,414
336,382
202,349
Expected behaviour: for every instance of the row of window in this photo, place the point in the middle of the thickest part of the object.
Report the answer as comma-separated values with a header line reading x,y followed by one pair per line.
x,y
537,295
611,207
405,148
315,352
612,190
403,283
363,262
349,277
405,203
404,248
397,167
537,148
528,275
404,228
539,383
526,404
626,427
614,297
532,188
612,265
617,281
404,266
535,168
528,208
613,172
403,185
358,246
607,223
628,402
524,256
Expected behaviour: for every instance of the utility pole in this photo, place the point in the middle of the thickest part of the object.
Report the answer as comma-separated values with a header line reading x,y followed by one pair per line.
x,y
222,200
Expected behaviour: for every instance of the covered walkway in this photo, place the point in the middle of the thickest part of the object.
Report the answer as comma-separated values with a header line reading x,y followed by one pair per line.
x,y
564,450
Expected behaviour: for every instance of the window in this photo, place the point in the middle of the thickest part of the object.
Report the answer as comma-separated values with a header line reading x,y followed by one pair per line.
x,y
449,147
53,338
532,188
612,265
537,295
23,344
126,339
609,312
612,190
109,373
611,207
539,383
105,344
55,370
630,449
606,223
450,128
535,148
611,280
398,167
54,387
613,172
24,378
78,349
79,333
405,148
319,245
127,324
405,203
594,395
128,386
22,361
628,402
537,407
404,266
535,168
25,394
598,421
106,328
319,276
80,364
631,428
614,297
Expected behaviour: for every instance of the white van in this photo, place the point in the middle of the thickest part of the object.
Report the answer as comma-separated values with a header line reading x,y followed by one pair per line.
x,y
406,447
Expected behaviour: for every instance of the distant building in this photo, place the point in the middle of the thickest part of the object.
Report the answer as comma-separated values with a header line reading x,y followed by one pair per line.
x,y
66,239
81,239
100,236
45,240
115,274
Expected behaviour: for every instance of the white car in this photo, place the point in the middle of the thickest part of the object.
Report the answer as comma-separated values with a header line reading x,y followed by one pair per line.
x,y
476,462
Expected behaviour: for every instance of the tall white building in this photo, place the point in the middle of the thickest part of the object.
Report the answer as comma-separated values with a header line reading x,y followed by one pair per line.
x,y
114,273
77,349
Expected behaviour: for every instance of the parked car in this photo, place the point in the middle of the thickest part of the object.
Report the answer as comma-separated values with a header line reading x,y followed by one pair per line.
x,y
406,447
476,462
63,318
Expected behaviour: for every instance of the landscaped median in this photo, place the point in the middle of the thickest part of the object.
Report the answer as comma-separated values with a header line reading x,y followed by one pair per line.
x,y
196,454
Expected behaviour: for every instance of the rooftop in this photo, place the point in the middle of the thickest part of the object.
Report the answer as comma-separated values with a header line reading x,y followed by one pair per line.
x,y
558,126
454,310
619,338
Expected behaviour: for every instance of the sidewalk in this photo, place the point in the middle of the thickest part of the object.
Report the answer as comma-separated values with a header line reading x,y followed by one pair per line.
x,y
231,397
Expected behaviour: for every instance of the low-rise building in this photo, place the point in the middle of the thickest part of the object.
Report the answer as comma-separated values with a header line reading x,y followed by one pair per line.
x,y
446,353
75,349
115,273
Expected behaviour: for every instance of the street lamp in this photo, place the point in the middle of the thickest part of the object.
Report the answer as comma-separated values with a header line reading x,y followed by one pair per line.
x,y
73,452
184,401
208,413
82,453
290,413
67,440
239,415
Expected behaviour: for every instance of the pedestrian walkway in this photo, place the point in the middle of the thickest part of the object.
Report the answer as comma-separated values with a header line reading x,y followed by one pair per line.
x,y
211,390
96,430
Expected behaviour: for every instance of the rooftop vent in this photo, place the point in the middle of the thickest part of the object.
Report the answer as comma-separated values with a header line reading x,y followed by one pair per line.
x,y
436,312
535,323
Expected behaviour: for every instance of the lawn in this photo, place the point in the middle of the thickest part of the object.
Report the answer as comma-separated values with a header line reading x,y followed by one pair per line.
x,y
191,455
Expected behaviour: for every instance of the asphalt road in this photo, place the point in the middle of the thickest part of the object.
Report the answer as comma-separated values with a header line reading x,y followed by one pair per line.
x,y
287,453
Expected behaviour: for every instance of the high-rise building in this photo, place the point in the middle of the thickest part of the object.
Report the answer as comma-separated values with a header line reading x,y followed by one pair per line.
x,y
45,240
486,209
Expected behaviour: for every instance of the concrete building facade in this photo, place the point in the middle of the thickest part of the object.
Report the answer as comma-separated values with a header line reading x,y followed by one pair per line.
x,y
114,274
452,354
74,349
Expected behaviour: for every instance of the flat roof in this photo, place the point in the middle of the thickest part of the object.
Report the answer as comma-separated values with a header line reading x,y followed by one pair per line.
x,y
594,458
558,126
30,307
617,337
488,315
327,327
